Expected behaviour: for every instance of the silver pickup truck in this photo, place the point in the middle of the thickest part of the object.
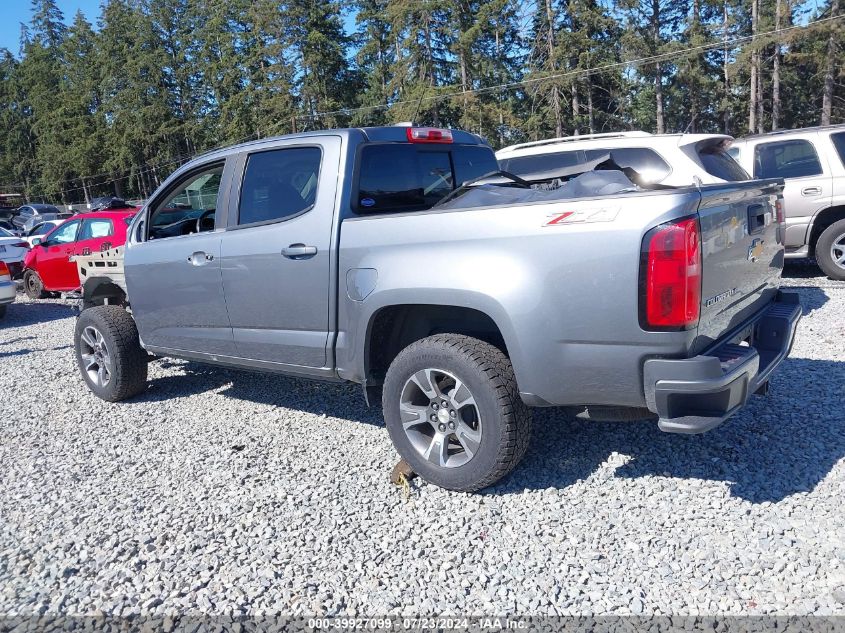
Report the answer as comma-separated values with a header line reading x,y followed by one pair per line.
x,y
390,257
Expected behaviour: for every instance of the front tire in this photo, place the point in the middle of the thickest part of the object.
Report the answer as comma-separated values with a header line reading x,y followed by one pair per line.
x,y
830,251
453,411
109,354
33,285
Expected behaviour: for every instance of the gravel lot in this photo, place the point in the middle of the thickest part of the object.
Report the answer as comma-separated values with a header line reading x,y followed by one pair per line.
x,y
221,492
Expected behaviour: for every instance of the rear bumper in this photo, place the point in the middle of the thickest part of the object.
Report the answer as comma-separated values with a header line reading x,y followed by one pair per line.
x,y
694,395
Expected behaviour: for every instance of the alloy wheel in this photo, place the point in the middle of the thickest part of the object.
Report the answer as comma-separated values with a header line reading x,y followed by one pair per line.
x,y
95,356
837,251
440,418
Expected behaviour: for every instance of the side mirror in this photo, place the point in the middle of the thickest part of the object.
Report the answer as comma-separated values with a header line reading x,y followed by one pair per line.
x,y
36,241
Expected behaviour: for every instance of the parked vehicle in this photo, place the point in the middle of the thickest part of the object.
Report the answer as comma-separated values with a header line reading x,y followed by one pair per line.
x,y
669,159
13,249
7,226
40,230
812,163
47,267
29,215
358,255
8,289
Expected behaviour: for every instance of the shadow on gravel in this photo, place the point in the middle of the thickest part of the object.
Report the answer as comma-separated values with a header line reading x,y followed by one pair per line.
x,y
802,269
812,298
23,314
778,446
320,398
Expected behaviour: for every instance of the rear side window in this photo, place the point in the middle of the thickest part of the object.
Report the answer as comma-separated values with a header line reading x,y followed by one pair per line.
x,y
279,184
407,177
718,162
645,161
786,159
839,143
93,229
522,165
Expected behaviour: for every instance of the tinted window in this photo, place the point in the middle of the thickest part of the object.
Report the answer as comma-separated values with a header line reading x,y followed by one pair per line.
x,y
718,162
65,233
95,228
472,161
394,176
641,159
279,184
839,143
188,207
786,159
5,233
522,165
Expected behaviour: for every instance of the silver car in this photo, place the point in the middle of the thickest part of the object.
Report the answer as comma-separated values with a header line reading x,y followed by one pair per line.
x,y
812,163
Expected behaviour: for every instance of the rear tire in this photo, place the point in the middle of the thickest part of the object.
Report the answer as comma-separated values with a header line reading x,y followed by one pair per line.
x,y
109,354
33,285
830,251
483,429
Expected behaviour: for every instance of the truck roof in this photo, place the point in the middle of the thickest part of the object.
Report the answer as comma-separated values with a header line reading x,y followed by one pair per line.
x,y
393,133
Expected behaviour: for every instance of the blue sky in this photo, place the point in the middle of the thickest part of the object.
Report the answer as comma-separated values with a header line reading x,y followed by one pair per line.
x,y
17,11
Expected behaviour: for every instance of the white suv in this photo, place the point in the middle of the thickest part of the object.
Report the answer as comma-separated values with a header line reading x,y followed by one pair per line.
x,y
812,163
669,159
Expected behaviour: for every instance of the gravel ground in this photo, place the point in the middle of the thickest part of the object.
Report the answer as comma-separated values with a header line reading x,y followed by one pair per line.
x,y
221,492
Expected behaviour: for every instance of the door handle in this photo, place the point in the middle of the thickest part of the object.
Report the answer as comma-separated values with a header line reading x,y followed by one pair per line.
x,y
811,191
756,218
200,258
299,251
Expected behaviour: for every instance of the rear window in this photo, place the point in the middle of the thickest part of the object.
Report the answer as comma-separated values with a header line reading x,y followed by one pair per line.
x,y
522,165
839,143
407,177
719,163
645,161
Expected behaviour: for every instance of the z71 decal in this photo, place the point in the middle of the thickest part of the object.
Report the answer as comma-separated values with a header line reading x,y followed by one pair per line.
x,y
582,216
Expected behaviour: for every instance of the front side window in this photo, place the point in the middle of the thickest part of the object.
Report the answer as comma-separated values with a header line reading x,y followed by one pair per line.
x,y
65,234
838,140
786,159
279,184
96,228
40,229
190,207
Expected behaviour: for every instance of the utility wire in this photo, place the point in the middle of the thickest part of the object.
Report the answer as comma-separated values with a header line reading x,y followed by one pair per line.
x,y
669,55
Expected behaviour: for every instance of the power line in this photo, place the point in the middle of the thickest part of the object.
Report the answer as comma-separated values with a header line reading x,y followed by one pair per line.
x,y
668,56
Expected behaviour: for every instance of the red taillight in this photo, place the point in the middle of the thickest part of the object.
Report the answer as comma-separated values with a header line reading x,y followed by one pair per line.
x,y
428,135
781,214
673,275
19,245
4,272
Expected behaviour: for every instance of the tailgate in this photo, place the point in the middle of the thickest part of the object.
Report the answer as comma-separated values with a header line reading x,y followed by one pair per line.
x,y
742,254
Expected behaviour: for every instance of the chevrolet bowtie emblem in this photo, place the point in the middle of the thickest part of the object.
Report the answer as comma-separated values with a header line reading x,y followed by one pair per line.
x,y
755,250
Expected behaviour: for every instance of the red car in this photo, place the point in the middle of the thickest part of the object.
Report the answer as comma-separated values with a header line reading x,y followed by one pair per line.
x,y
47,267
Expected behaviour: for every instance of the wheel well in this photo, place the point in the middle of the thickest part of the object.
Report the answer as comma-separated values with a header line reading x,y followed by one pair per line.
x,y
823,220
393,328
102,291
